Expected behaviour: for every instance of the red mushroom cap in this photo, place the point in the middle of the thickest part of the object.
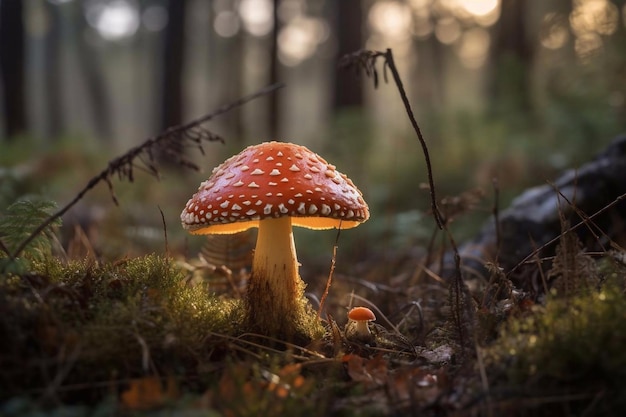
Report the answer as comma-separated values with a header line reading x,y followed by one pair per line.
x,y
271,180
361,314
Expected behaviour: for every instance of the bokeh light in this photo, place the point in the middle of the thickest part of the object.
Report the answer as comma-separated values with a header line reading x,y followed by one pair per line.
x,y
391,19
226,23
113,20
473,48
299,39
257,16
554,32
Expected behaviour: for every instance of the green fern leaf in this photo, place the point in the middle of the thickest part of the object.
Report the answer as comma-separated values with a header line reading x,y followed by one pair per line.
x,y
21,219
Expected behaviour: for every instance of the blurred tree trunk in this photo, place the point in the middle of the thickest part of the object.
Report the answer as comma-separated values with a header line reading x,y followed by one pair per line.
x,y
173,59
511,59
273,117
52,73
12,66
91,71
348,22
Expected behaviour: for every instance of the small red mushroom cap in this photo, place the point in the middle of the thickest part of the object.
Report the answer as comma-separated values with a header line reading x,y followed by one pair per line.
x,y
361,314
270,180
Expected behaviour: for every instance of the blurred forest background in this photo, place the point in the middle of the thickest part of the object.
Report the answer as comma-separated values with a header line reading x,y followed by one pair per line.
x,y
513,90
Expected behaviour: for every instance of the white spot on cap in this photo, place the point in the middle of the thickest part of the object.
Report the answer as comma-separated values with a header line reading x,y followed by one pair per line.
x,y
301,208
318,189
245,167
246,202
275,172
269,158
308,176
253,185
325,209
312,209
284,180
298,195
282,208
225,204
208,216
267,209
273,184
257,171
279,153
268,194
291,201
250,212
315,169
236,207
350,214
229,176
294,168
238,184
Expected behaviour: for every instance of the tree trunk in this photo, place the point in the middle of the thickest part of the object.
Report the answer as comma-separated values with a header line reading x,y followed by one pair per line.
x,y
348,22
12,66
173,60
53,81
274,105
511,56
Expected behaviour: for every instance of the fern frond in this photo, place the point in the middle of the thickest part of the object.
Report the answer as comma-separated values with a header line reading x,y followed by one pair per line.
x,y
18,222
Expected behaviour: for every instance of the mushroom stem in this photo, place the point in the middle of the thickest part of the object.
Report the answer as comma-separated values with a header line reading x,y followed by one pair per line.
x,y
275,305
362,328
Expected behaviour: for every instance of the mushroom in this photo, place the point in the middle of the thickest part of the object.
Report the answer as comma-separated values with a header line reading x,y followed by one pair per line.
x,y
362,316
274,186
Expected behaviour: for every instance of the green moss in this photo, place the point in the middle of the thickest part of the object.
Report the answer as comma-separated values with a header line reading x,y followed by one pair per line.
x,y
570,345
104,322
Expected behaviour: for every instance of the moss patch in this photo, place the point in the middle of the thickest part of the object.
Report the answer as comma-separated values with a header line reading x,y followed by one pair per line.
x,y
85,323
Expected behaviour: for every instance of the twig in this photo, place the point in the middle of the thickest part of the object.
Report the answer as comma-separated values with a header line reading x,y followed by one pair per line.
x,y
123,165
496,216
570,229
330,274
367,60
167,249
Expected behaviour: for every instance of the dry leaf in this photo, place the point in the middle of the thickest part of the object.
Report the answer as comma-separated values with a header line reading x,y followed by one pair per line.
x,y
146,393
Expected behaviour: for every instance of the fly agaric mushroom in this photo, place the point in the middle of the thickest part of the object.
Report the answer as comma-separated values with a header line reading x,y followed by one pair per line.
x,y
274,186
362,316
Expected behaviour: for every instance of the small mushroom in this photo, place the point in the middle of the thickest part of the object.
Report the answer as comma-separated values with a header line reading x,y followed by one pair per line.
x,y
361,316
274,186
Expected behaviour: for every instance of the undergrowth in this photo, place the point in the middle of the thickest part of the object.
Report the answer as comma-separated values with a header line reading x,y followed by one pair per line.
x,y
84,324
159,335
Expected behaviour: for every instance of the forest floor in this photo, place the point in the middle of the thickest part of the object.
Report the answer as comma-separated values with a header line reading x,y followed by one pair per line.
x,y
164,334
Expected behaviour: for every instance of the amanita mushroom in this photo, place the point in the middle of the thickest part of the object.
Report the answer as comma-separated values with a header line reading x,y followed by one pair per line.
x,y
274,186
362,316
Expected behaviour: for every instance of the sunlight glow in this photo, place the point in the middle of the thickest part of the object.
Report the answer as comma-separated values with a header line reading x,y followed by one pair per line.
x,y
257,16
226,24
594,16
554,31
587,45
299,39
448,30
391,19
480,7
114,20
473,48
